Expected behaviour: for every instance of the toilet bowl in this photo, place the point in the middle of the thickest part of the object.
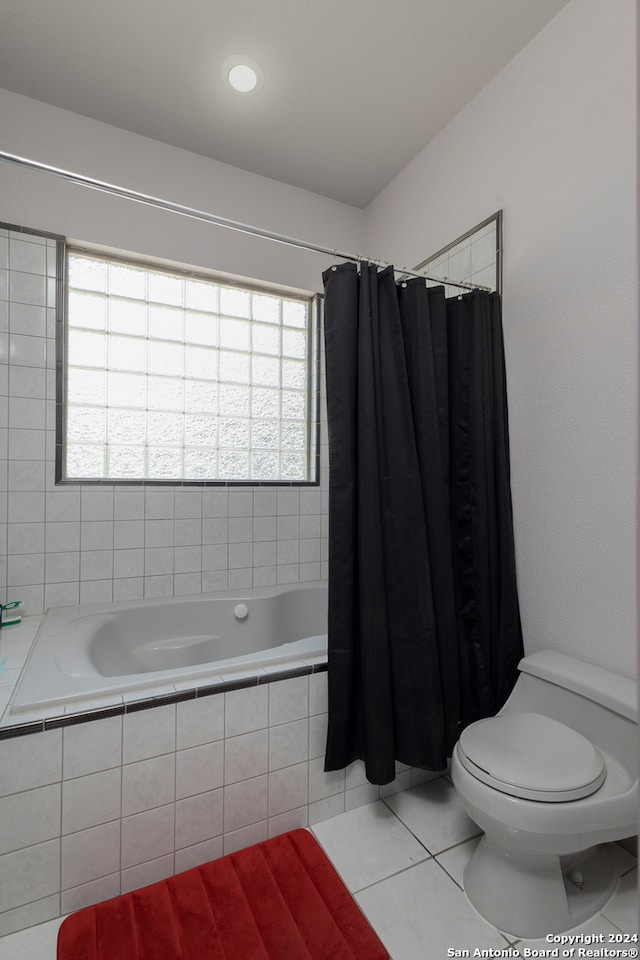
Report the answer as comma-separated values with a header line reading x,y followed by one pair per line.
x,y
550,780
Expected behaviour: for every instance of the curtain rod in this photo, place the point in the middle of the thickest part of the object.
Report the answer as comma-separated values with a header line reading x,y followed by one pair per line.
x,y
194,214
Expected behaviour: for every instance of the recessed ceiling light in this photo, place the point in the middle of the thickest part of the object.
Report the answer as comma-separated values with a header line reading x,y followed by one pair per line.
x,y
242,74
243,78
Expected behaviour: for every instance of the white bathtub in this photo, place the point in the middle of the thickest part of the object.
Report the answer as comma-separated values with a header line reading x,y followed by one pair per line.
x,y
98,651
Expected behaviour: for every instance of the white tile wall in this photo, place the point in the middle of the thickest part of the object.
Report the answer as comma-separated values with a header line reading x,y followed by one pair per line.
x,y
97,808
79,544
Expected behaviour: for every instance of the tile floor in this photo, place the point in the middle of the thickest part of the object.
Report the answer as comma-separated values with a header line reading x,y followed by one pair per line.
x,y
403,859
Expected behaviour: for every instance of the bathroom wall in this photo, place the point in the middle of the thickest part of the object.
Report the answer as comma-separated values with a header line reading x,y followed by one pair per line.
x,y
75,544
81,544
47,134
552,141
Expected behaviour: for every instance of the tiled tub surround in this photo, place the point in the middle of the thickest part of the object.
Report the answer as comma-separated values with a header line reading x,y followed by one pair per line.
x,y
64,545
95,808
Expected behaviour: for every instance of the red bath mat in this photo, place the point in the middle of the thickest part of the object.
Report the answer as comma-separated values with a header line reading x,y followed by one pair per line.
x,y
277,900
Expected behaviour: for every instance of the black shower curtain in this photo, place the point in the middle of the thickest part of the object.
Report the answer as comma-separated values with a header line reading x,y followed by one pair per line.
x,y
424,628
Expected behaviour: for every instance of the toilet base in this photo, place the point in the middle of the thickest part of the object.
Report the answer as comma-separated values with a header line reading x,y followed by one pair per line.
x,y
529,896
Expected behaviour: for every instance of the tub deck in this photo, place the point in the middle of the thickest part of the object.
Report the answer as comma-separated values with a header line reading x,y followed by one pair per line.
x,y
130,651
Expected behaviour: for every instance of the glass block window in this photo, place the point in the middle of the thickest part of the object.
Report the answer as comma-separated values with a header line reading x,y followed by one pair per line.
x,y
173,377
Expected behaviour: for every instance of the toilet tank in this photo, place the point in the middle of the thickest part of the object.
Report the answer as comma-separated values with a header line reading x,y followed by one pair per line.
x,y
600,705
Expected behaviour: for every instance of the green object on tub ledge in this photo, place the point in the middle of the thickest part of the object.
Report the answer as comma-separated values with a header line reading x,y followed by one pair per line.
x,y
8,619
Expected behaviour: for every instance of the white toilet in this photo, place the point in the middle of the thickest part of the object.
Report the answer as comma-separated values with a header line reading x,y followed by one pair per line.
x,y
553,775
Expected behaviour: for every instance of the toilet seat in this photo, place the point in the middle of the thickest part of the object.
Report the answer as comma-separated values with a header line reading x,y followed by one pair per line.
x,y
531,756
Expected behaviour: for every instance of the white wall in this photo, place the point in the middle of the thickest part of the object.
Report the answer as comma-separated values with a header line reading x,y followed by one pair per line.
x,y
49,135
552,140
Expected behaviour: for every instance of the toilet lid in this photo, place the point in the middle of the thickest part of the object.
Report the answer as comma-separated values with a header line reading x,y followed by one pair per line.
x,y
531,756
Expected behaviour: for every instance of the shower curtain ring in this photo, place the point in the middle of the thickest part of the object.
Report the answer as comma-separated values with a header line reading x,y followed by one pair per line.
x,y
333,266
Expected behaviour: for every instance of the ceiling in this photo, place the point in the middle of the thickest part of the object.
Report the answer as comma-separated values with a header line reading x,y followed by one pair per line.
x,y
352,90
